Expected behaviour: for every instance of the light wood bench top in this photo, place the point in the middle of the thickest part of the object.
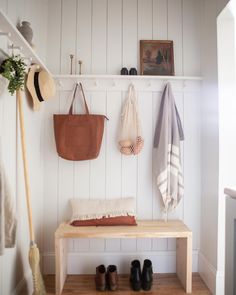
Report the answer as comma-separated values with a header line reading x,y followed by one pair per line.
x,y
144,229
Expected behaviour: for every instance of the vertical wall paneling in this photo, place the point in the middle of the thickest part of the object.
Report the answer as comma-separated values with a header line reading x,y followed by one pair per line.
x,y
7,154
82,173
84,35
145,23
191,46
107,38
191,165
130,37
54,36
144,173
14,10
99,37
145,19
3,5
30,12
3,39
68,33
65,174
113,157
175,33
14,264
160,19
68,46
98,166
108,33
50,174
114,36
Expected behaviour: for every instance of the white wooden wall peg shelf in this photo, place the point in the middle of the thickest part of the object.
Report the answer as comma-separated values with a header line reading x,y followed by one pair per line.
x,y
121,83
9,31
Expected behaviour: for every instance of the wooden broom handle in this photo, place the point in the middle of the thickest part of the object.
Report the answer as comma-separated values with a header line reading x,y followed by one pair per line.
x,y
25,164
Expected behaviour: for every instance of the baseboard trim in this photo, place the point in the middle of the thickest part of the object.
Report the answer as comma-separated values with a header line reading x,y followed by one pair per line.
x,y
207,272
220,283
85,263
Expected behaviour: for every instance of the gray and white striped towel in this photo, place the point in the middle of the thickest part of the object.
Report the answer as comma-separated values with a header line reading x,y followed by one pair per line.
x,y
168,134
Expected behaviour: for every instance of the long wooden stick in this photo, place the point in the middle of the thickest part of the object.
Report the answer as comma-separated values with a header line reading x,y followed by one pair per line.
x,y
25,164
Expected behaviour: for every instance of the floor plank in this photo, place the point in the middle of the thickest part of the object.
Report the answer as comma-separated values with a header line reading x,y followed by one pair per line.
x,y
163,284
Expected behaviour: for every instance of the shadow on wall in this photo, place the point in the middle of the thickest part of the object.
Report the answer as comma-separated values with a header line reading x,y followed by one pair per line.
x,y
20,279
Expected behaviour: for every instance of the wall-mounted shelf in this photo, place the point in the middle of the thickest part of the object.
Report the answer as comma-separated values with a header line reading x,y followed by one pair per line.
x,y
9,31
121,83
135,77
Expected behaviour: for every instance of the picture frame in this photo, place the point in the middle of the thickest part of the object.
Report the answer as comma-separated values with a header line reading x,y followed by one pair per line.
x,y
157,57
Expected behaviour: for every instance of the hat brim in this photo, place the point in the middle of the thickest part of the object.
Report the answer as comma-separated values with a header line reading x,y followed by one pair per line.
x,y
31,88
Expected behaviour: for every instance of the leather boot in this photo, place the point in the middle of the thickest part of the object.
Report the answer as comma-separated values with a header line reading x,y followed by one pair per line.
x,y
112,277
147,275
135,275
100,278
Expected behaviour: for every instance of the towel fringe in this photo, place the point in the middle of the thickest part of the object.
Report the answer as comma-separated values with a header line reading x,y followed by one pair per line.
x,y
102,215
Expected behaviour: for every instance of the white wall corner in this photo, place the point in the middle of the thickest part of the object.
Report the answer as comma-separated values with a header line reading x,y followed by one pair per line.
x,y
208,273
220,283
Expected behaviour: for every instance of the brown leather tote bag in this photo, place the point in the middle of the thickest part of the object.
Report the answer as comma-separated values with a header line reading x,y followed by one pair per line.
x,y
78,137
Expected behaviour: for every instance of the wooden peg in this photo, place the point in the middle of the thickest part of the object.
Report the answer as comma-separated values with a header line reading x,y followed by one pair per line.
x,y
80,66
71,63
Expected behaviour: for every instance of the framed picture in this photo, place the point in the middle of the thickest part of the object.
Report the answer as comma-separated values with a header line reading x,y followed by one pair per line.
x,y
156,57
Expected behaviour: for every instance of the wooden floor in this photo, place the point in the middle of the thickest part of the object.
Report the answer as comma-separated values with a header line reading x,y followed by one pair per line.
x,y
163,284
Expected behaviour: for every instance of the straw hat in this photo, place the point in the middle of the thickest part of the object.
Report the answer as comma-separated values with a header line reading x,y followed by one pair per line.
x,y
40,85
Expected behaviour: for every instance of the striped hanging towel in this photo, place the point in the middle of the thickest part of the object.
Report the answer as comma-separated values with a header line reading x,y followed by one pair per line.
x,y
168,134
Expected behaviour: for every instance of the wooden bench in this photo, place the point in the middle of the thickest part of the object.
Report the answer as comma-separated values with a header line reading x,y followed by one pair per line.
x,y
145,229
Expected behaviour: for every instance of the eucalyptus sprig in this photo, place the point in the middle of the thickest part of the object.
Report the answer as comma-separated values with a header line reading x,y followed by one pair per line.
x,y
13,69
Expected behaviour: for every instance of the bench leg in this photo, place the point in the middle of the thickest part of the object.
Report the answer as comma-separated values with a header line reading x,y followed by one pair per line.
x,y
61,264
184,262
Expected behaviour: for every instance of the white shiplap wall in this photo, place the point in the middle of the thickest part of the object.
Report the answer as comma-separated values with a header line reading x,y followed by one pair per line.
x,y
14,266
105,34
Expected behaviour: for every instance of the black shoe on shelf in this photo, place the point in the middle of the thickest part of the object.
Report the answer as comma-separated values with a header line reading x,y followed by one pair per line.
x,y
124,71
147,275
135,275
133,72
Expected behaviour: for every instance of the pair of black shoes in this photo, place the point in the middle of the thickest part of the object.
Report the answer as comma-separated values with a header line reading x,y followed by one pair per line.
x,y
140,279
132,71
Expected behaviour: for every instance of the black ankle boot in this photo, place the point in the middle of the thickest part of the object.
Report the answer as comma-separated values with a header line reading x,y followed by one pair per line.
x,y
147,275
135,275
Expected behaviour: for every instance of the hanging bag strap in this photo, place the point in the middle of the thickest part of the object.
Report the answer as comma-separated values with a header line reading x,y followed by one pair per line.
x,y
74,96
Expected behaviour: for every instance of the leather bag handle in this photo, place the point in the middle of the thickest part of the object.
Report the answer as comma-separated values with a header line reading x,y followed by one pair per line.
x,y
74,95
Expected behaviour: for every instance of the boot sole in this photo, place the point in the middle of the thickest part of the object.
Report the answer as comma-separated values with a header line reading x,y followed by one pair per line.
x,y
147,286
102,289
136,286
112,288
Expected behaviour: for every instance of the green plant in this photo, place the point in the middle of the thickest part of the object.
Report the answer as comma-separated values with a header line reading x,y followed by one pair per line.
x,y
13,69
